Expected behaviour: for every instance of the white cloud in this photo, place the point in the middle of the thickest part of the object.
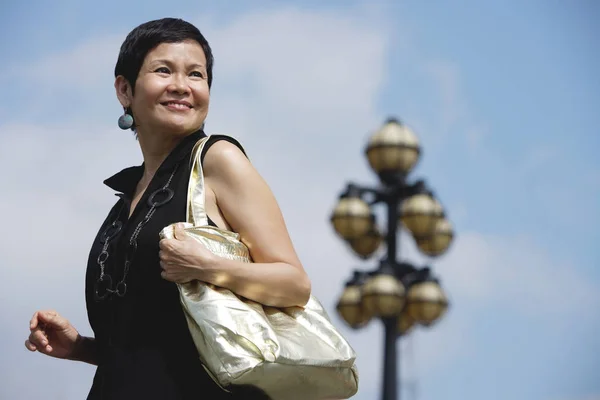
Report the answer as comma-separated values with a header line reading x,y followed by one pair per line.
x,y
301,68
516,273
88,65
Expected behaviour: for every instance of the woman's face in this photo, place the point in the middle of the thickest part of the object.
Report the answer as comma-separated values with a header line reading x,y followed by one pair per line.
x,y
171,91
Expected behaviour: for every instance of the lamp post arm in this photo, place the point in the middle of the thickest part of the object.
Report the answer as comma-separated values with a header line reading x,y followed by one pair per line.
x,y
397,192
354,190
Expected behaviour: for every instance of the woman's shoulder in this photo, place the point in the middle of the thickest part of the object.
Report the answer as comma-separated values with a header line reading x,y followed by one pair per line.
x,y
225,161
221,145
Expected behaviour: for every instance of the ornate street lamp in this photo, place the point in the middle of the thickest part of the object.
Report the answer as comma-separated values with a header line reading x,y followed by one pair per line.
x,y
426,302
393,151
364,246
438,240
420,213
397,293
405,323
352,217
383,295
350,305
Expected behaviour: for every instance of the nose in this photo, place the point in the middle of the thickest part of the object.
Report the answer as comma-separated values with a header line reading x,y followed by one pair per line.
x,y
179,84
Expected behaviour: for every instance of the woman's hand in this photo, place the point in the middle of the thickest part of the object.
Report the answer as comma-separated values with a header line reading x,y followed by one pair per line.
x,y
51,334
183,258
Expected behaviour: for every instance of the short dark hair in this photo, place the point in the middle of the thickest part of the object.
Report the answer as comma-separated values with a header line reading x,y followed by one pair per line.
x,y
148,36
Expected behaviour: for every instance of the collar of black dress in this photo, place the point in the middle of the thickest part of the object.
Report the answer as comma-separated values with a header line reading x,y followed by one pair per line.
x,y
126,180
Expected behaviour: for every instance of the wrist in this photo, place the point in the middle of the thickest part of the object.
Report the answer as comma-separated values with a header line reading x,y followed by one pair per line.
x,y
213,270
83,350
75,352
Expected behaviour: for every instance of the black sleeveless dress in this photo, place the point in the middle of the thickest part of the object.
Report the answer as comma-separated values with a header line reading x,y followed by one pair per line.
x,y
146,351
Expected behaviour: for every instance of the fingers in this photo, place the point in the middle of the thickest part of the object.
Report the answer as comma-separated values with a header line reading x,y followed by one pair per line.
x,y
162,244
179,232
50,318
164,273
163,262
170,271
168,244
162,255
175,278
168,251
171,276
38,341
40,317
34,321
30,346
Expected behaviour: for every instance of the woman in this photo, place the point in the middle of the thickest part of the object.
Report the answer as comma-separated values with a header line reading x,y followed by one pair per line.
x,y
142,346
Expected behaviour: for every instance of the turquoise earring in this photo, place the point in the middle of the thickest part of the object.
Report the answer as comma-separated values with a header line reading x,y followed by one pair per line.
x,y
125,121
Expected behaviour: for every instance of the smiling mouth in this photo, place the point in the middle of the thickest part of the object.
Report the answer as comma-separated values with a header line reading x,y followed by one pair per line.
x,y
176,105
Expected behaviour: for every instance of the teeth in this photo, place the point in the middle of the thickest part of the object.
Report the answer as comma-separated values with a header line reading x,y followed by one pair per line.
x,y
177,105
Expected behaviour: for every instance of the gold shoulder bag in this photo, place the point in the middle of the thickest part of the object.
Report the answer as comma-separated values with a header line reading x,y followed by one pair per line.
x,y
291,353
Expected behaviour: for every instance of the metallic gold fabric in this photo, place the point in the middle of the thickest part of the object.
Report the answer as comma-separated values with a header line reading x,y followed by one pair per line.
x,y
293,353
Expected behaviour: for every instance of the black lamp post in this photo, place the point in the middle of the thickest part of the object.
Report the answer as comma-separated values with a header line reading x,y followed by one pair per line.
x,y
396,292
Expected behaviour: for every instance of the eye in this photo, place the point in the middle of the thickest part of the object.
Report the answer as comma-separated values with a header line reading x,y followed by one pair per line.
x,y
162,70
197,74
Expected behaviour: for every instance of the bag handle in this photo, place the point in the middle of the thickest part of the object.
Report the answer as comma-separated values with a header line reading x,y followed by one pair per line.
x,y
196,210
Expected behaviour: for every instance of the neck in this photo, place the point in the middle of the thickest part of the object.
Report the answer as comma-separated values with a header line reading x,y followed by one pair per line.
x,y
155,149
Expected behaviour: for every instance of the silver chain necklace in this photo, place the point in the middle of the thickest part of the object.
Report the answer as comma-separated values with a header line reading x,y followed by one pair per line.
x,y
103,287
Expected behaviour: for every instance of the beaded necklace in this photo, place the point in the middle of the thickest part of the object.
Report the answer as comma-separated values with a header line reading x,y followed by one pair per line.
x,y
103,288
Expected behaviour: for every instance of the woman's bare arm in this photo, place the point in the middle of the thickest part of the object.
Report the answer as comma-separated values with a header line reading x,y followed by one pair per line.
x,y
277,277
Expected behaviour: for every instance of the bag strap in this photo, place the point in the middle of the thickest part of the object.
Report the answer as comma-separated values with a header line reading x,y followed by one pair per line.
x,y
196,209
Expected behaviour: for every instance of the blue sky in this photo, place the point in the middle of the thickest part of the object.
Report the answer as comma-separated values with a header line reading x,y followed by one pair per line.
x,y
504,97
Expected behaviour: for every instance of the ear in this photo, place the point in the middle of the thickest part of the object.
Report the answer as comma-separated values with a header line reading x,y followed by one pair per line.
x,y
124,92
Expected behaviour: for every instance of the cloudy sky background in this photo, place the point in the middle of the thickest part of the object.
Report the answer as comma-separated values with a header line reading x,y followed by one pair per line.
x,y
504,98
